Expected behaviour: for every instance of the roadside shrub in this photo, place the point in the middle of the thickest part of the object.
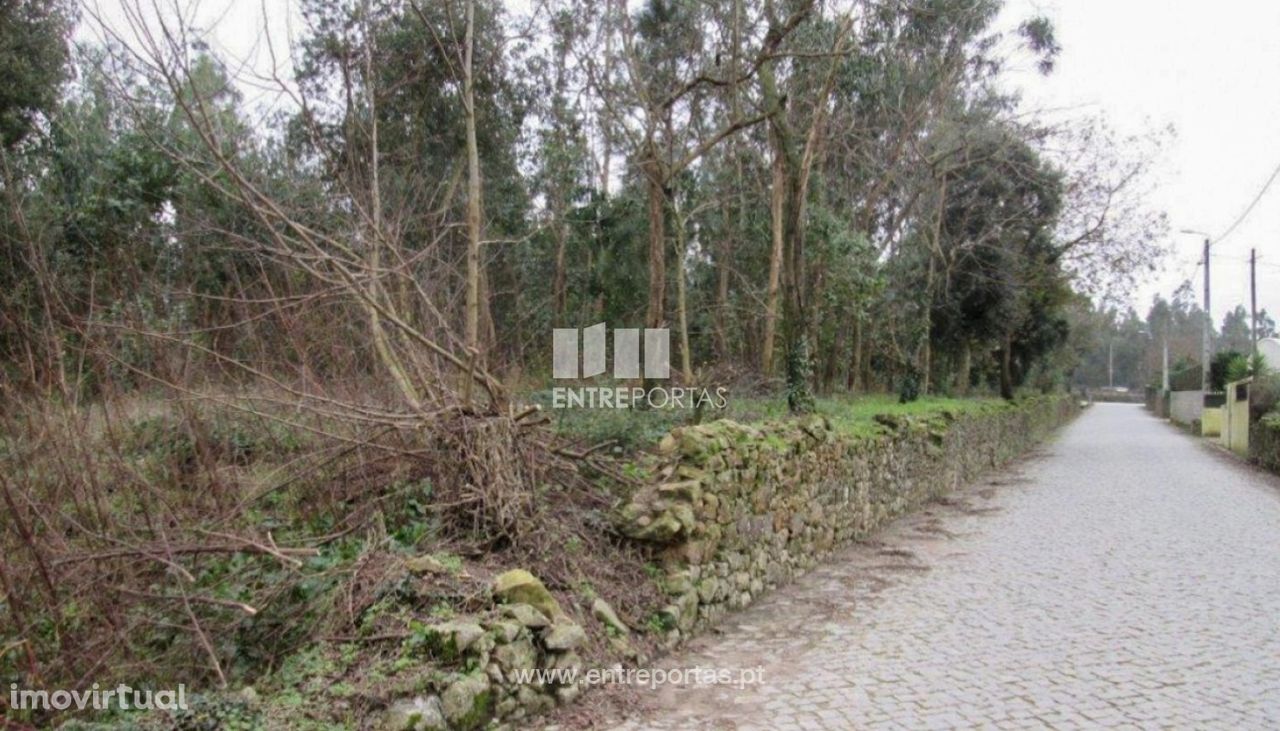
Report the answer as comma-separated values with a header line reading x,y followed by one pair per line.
x,y
1264,442
1238,369
1264,396
1186,378
1223,365
909,389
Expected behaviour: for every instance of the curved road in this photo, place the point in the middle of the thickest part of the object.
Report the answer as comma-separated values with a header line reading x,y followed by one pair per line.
x,y
1125,576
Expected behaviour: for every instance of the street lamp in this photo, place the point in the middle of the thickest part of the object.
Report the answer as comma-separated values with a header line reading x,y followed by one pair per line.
x,y
1207,345
1150,335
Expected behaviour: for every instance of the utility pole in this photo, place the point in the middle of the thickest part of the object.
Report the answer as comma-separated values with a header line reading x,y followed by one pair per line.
x,y
1253,296
1111,349
1207,346
1164,377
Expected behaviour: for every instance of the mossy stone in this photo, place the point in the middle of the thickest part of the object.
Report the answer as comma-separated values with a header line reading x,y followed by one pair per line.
x,y
468,701
518,586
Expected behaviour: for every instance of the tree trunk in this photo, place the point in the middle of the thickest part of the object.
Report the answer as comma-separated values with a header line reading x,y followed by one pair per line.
x,y
926,367
559,285
686,361
855,364
381,343
724,250
606,124
472,320
794,276
1006,369
966,366
722,301
733,214
488,330
831,361
868,383
776,201
559,197
656,313
798,154
926,359
926,347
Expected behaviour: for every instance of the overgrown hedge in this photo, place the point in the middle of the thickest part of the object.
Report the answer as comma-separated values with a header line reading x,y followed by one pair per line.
x,y
1264,442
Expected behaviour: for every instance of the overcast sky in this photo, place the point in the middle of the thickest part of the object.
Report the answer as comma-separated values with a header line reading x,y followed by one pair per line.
x,y
1211,71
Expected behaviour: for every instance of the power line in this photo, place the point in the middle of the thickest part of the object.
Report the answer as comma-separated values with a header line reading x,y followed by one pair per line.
x,y
1245,260
1249,209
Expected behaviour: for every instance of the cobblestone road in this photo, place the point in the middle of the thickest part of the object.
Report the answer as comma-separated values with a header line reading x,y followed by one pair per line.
x,y
1124,577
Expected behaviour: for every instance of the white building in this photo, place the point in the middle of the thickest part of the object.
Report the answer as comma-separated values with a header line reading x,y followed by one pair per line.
x,y
1269,349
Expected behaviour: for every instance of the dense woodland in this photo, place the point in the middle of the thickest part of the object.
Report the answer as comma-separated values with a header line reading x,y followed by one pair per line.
x,y
1124,349
245,312
838,196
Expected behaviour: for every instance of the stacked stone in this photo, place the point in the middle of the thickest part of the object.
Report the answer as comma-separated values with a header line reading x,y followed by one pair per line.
x,y
529,631
733,510
739,509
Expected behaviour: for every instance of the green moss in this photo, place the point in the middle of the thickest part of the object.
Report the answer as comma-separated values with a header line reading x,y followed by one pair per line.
x,y
216,711
851,415
468,702
661,622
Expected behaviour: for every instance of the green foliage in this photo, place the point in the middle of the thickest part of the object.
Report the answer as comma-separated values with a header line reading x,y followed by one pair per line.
x,y
157,233
799,368
222,712
1264,441
629,429
1038,32
1237,332
226,438
909,388
411,519
33,54
642,429
1186,377
660,623
1222,366
1264,395
852,281
1002,283
1238,369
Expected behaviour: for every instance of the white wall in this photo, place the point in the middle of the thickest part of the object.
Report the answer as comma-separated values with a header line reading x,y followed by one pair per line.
x,y
1269,348
1186,406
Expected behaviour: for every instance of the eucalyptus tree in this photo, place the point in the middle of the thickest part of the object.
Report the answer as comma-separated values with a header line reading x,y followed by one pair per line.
x,y
395,89
564,174
798,105
996,237
34,55
666,107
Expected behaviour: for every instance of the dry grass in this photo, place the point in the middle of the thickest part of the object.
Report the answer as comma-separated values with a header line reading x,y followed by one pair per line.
x,y
174,541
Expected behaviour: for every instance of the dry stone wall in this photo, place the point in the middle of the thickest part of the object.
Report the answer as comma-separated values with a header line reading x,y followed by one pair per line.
x,y
733,511
738,509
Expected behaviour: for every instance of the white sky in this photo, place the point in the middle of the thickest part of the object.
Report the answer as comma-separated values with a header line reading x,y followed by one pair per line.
x,y
1211,71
